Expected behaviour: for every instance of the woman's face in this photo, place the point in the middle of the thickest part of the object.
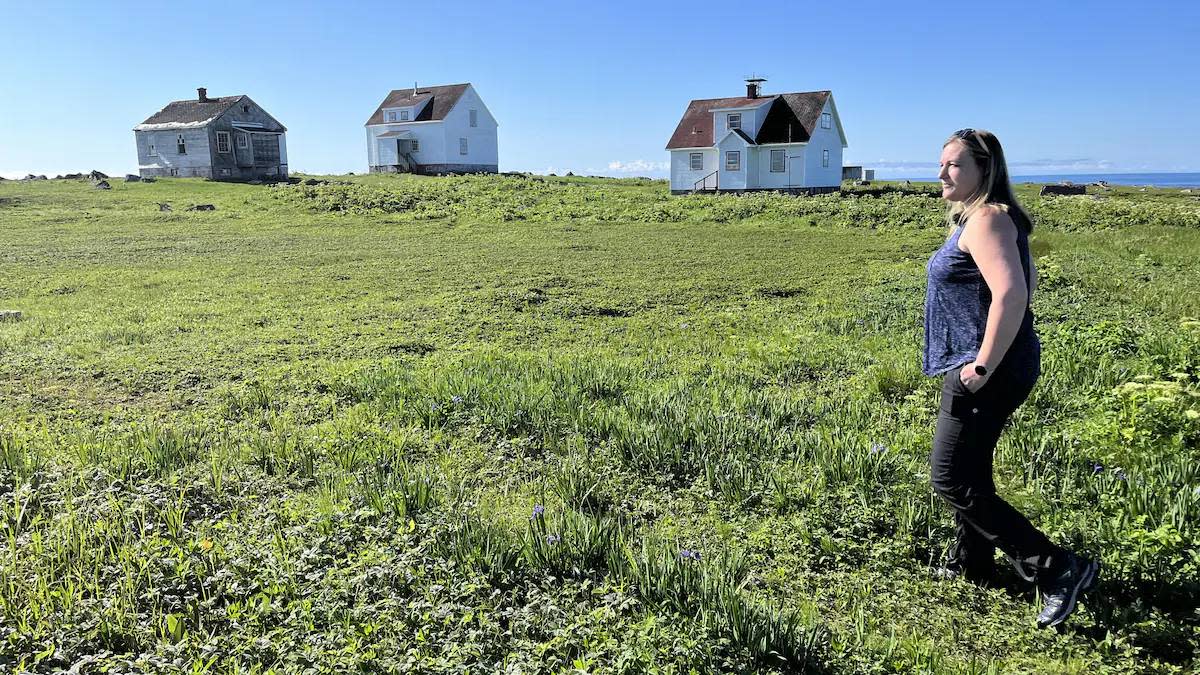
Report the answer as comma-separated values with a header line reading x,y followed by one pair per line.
x,y
959,173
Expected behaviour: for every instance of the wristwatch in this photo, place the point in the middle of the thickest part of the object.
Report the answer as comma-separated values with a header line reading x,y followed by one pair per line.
x,y
980,369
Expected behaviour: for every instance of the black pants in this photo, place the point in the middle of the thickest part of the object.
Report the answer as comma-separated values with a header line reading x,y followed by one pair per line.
x,y
968,427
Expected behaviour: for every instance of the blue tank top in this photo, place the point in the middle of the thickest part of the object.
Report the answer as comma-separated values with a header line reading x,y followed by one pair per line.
x,y
957,300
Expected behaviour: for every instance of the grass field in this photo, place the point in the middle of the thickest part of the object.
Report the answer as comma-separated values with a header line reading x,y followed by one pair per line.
x,y
521,424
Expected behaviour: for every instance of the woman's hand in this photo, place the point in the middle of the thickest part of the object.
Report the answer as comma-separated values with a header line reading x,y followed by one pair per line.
x,y
972,380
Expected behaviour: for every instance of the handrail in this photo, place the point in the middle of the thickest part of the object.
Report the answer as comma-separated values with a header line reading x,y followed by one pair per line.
x,y
702,184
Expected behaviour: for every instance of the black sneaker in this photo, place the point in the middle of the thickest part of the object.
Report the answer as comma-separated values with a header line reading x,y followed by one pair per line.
x,y
1063,591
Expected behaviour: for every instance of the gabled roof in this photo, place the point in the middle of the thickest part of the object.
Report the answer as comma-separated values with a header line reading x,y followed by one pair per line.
x,y
443,97
193,113
791,118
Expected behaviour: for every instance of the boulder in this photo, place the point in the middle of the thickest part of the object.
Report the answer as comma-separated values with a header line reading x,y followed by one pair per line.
x,y
96,175
10,315
201,207
1062,190
148,179
162,206
72,176
132,178
103,185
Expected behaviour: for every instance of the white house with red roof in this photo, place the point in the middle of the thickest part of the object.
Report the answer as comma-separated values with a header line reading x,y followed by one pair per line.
x,y
433,130
758,142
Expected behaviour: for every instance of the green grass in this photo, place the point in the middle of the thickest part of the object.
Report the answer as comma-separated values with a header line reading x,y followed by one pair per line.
x,y
310,429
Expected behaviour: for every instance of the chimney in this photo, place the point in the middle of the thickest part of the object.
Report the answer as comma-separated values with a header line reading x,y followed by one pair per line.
x,y
202,94
754,86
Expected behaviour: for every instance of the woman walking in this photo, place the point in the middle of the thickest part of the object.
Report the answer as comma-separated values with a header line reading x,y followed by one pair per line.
x,y
979,335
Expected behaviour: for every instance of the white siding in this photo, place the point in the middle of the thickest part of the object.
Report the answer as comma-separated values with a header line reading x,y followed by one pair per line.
x,y
482,145
752,119
197,162
793,173
734,180
682,177
824,139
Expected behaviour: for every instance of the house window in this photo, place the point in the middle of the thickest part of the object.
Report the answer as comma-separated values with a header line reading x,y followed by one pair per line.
x,y
243,141
151,151
825,158
733,160
245,108
403,115
778,161
826,121
696,161
474,118
223,144
734,121
226,172
416,145
180,145
462,146
391,116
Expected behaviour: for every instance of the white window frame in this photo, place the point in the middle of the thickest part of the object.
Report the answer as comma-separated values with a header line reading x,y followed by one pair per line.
x,y
416,146
733,121
694,159
474,118
826,121
462,146
733,160
391,116
150,151
782,156
403,115
224,136
180,145
825,158
243,140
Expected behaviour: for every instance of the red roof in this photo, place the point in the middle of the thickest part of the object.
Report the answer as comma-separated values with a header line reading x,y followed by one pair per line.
x,y
791,118
443,99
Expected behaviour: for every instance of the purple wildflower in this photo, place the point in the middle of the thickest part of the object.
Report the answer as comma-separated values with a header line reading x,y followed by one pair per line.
x,y
538,510
1097,467
1120,474
553,539
456,399
877,448
688,554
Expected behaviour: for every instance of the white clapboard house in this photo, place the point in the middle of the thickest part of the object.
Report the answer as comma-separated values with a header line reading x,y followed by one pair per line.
x,y
788,142
432,130
221,138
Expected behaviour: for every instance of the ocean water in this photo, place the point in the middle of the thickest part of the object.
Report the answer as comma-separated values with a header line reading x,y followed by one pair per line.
x,y
1159,180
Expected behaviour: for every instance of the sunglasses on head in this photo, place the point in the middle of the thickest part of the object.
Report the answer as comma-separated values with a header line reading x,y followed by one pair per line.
x,y
964,134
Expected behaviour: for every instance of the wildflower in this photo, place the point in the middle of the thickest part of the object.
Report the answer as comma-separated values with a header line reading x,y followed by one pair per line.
x,y
688,554
1097,467
1144,378
456,399
433,407
1120,474
553,539
1192,414
877,448
538,510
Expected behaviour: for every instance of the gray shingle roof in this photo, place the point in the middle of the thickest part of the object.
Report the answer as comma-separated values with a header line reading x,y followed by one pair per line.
x,y
191,113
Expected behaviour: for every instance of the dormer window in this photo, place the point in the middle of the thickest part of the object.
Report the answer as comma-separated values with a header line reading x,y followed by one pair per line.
x,y
734,121
403,115
391,115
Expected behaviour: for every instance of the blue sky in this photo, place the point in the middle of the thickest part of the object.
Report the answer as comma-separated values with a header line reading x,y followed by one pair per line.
x,y
598,87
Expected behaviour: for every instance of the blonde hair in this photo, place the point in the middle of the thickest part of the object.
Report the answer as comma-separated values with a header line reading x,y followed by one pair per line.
x,y
995,187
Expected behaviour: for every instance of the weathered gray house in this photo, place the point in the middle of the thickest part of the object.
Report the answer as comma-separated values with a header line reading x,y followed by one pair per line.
x,y
223,138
